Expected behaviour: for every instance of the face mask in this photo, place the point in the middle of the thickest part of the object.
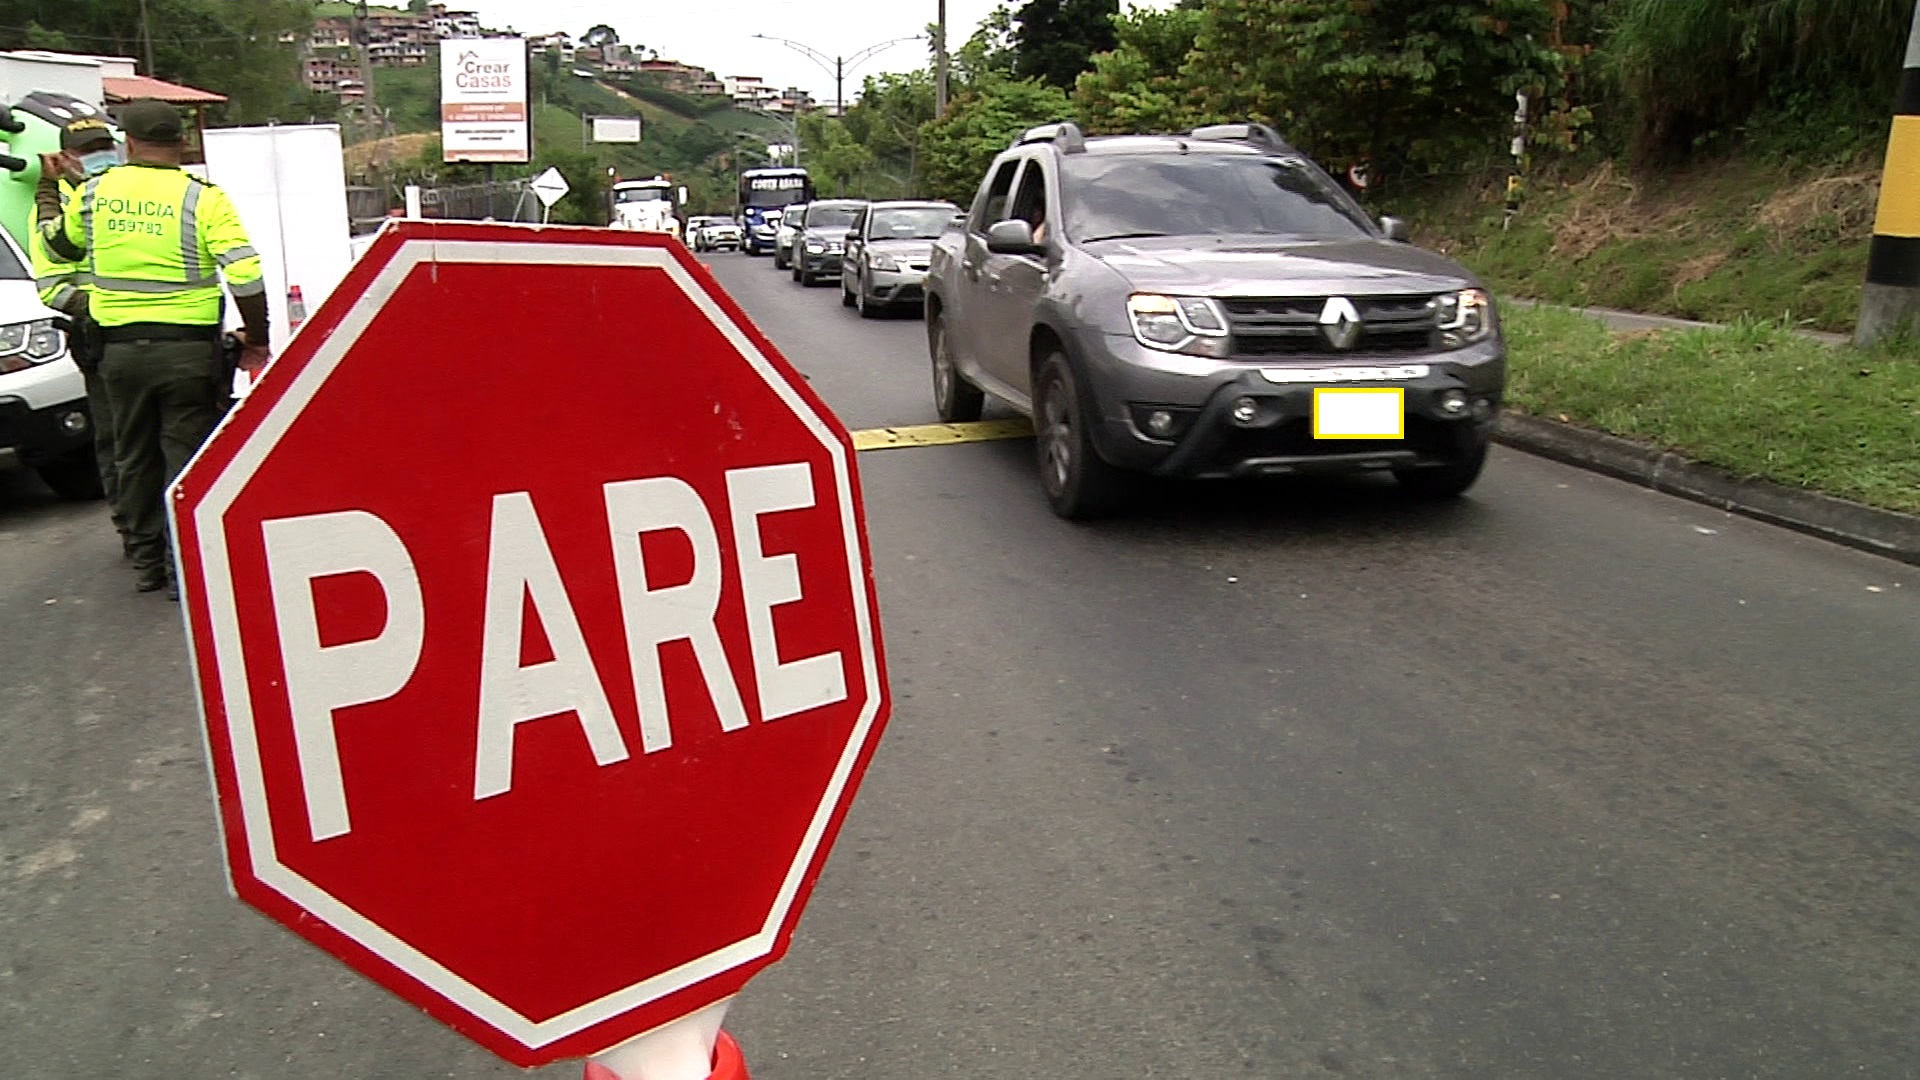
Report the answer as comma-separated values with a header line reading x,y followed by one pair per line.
x,y
99,161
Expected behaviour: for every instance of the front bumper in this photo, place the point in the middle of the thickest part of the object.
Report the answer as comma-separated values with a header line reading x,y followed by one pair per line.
x,y
821,264
1131,382
896,286
37,435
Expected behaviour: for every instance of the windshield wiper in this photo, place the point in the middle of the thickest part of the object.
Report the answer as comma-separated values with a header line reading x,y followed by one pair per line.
x,y
1124,236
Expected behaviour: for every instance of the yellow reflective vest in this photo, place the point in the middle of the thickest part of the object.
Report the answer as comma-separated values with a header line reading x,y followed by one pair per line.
x,y
154,237
58,280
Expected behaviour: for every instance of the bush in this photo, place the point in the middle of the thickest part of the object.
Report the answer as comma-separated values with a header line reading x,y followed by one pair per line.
x,y
1694,71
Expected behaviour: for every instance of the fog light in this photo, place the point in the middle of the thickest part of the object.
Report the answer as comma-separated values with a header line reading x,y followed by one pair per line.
x,y
1245,411
1160,422
73,423
1482,408
1454,402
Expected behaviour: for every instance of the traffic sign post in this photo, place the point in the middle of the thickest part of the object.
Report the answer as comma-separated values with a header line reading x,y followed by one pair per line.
x,y
533,623
550,187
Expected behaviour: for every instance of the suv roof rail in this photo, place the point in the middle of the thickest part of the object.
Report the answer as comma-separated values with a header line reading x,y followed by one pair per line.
x,y
1065,134
1259,134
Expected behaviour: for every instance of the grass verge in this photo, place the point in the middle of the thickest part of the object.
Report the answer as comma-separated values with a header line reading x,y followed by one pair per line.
x,y
1754,398
1718,243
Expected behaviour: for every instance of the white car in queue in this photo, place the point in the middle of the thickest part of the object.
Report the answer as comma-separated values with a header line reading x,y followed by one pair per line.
x,y
793,222
44,420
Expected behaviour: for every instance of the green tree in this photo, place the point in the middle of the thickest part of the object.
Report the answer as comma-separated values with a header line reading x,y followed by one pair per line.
x,y
980,122
1693,69
1140,86
887,121
247,50
840,165
1057,39
1415,86
586,199
989,51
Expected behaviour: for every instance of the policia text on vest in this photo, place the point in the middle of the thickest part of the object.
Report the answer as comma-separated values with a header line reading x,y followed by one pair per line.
x,y
157,242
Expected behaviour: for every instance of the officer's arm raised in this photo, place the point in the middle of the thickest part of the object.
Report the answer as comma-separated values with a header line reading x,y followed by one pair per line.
x,y
58,220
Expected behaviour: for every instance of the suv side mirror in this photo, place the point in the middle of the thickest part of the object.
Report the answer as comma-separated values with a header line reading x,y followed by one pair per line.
x,y
1395,228
1013,237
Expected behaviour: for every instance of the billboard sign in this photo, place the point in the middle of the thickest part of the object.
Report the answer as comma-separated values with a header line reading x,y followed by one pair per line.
x,y
483,99
616,129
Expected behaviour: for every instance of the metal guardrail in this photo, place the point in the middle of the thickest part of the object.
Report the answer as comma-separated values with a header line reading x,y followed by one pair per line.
x,y
503,200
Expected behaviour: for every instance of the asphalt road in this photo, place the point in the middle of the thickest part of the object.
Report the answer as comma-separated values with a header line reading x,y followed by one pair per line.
x,y
1567,779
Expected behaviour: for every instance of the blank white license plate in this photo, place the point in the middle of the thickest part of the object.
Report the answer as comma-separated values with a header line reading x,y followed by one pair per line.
x,y
1345,412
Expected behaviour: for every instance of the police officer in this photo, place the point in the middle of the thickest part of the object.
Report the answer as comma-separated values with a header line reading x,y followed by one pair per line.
x,y
87,149
154,238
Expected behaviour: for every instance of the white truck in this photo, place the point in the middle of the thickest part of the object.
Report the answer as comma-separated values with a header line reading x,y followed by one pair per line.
x,y
647,206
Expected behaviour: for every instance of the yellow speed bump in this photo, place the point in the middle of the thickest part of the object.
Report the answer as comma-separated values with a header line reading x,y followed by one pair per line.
x,y
941,434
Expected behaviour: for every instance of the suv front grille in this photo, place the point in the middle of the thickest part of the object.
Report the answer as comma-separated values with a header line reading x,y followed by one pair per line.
x,y
1290,326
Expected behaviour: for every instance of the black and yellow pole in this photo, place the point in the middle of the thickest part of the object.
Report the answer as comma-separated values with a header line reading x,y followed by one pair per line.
x,y
1892,297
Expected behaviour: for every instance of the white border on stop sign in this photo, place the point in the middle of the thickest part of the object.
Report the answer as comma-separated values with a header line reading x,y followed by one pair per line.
x,y
223,618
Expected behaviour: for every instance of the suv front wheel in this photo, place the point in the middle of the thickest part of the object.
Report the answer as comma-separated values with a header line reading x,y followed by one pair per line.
x,y
1444,481
73,476
1078,482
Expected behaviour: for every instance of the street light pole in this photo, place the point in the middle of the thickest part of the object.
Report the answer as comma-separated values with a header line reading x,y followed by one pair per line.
x,y
839,66
940,64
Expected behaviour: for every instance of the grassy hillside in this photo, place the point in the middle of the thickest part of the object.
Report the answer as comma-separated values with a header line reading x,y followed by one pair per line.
x,y
695,149
1719,242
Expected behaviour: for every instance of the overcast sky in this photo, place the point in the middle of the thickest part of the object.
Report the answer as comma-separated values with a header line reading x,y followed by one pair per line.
x,y
718,34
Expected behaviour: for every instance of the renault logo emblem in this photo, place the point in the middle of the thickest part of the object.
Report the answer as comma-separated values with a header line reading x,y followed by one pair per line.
x,y
1340,321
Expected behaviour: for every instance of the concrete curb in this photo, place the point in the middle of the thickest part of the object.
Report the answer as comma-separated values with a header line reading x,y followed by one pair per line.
x,y
1882,532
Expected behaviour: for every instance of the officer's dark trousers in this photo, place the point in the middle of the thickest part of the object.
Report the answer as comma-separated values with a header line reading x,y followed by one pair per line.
x,y
164,402
88,347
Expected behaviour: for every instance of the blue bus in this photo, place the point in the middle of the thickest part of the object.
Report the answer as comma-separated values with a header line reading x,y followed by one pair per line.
x,y
764,190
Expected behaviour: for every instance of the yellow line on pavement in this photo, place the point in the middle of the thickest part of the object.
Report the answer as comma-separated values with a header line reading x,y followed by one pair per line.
x,y
941,434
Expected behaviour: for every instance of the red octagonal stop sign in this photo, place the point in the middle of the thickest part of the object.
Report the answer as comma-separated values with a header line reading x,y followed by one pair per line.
x,y
534,626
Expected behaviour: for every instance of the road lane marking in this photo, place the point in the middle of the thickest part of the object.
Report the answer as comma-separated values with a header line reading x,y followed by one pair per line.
x,y
892,438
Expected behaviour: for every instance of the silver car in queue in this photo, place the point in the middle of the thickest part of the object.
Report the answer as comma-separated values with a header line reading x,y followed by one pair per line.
x,y
888,250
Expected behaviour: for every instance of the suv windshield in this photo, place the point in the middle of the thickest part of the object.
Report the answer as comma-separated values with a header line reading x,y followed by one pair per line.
x,y
831,217
911,223
1112,196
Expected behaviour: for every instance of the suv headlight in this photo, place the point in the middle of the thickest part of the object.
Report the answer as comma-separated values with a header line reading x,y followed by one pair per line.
x,y
1463,317
880,261
1184,324
35,342
816,247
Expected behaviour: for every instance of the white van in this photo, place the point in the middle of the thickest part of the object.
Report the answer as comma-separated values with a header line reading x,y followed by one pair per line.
x,y
44,420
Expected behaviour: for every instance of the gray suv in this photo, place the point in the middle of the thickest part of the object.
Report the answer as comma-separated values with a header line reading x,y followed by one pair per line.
x,y
1210,304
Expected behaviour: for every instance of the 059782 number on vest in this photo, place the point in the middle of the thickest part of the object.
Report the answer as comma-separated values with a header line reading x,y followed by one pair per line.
x,y
149,228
